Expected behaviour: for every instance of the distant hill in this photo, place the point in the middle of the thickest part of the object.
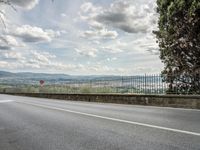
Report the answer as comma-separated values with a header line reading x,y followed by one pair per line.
x,y
34,78
31,75
6,74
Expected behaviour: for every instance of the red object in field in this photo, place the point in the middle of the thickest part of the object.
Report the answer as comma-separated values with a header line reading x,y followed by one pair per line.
x,y
41,82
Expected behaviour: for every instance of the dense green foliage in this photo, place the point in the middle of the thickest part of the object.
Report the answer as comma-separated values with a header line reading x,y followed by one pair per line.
x,y
179,42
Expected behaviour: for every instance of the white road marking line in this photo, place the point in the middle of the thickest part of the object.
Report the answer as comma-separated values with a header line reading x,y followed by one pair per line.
x,y
134,106
6,101
114,119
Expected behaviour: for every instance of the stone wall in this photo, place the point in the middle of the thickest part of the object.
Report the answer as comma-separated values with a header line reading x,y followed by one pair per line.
x,y
149,100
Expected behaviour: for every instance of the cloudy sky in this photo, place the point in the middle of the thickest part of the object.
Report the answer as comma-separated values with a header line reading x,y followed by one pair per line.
x,y
85,37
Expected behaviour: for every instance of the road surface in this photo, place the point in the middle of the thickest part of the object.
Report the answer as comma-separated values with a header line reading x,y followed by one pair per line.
x,y
42,124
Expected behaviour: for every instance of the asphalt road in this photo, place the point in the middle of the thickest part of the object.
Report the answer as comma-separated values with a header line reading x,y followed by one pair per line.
x,y
42,124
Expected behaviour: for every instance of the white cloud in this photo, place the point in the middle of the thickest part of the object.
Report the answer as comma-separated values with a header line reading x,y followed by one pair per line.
x,y
97,29
98,69
147,43
34,34
41,58
101,69
96,42
111,59
4,64
116,47
98,34
89,7
11,55
127,15
63,15
11,40
112,49
32,60
26,4
8,42
88,52
44,60
96,25
4,45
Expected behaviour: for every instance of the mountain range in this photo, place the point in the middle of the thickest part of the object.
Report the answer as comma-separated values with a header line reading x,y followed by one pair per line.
x,y
34,78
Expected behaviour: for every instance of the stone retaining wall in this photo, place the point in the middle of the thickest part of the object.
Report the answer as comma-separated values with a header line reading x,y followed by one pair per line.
x,y
149,100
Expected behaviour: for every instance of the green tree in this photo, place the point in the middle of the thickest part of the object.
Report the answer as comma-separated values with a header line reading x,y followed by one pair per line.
x,y
179,42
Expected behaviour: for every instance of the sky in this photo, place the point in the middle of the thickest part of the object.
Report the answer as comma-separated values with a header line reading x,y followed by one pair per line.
x,y
80,37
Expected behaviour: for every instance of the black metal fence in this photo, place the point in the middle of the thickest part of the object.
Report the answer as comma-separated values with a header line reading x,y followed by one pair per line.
x,y
141,84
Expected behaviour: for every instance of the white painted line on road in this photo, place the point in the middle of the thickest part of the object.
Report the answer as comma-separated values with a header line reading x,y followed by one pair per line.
x,y
128,105
113,119
6,101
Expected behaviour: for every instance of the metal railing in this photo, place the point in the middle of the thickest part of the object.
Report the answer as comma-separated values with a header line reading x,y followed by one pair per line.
x,y
127,84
